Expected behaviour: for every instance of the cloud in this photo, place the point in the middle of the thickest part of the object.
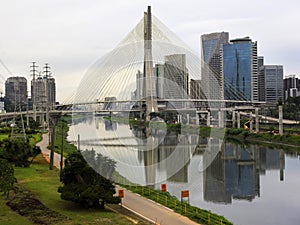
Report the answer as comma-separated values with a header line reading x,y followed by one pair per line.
x,y
72,34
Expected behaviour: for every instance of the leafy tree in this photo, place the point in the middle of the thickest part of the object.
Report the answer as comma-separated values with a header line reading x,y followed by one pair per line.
x,y
101,164
291,108
83,185
7,178
18,151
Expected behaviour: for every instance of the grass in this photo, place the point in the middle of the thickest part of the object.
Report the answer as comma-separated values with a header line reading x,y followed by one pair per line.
x,y
68,147
196,214
43,183
3,136
33,138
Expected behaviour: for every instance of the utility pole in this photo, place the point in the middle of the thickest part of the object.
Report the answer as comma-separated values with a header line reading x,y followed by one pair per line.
x,y
53,120
62,151
52,145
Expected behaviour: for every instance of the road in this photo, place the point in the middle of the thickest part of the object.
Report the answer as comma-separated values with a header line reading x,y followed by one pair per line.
x,y
143,207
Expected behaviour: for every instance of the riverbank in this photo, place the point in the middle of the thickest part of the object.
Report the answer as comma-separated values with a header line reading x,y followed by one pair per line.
x,y
268,139
288,141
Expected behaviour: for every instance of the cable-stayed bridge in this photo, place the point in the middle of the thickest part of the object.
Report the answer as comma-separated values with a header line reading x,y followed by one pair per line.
x,y
149,71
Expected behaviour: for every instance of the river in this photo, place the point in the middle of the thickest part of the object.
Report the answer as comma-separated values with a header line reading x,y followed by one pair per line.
x,y
248,184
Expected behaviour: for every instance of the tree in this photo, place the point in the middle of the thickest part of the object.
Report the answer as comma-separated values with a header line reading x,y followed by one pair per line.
x,y
83,185
18,151
7,178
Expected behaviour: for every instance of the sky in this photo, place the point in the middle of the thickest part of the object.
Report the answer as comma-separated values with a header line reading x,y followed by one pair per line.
x,y
71,35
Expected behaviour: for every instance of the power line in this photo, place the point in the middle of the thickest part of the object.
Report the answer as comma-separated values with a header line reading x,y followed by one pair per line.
x,y
2,63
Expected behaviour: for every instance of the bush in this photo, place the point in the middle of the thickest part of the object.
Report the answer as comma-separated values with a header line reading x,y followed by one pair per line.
x,y
7,178
83,185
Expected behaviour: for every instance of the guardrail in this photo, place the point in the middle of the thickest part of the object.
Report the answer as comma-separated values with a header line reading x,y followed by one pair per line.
x,y
182,207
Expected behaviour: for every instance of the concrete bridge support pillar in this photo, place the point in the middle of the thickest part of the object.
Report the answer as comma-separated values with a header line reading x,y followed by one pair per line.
x,y
187,118
233,119
238,120
256,121
208,119
251,122
27,120
179,118
280,120
34,112
197,119
220,119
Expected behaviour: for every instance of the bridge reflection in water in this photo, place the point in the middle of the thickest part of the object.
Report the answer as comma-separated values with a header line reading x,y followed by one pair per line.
x,y
151,157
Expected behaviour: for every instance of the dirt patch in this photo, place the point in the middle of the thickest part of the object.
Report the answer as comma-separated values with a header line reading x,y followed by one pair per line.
x,y
24,203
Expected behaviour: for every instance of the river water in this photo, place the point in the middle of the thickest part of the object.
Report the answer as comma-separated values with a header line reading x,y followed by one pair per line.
x,y
249,185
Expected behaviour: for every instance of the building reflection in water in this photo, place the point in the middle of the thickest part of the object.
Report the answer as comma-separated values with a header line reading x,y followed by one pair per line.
x,y
235,172
167,154
228,171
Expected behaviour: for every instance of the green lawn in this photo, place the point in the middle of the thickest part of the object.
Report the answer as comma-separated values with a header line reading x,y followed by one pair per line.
x,y
34,138
44,183
3,136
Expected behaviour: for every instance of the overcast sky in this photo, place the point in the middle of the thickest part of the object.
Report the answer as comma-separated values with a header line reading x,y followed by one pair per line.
x,y
71,35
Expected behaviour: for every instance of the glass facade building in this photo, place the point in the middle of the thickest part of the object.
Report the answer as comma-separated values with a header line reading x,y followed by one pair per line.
x,y
239,67
211,73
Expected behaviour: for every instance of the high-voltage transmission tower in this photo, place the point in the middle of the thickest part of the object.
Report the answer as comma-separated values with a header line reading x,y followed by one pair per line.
x,y
47,75
15,133
34,73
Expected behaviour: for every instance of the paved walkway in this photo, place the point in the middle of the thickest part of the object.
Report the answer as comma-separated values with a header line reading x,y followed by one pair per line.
x,y
46,152
152,211
143,207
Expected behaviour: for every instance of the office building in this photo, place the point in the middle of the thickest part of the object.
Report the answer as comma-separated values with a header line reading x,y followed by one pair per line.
x,y
211,73
43,92
16,97
260,61
291,87
159,74
271,83
176,73
195,89
171,79
239,69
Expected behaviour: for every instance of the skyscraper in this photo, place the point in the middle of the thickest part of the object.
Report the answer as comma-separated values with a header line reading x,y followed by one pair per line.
x,y
16,97
271,88
139,85
239,67
43,90
195,89
212,63
176,79
291,87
